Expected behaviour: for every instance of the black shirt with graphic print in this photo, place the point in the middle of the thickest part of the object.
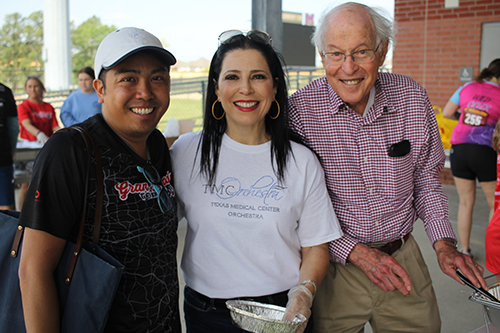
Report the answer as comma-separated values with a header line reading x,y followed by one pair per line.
x,y
134,230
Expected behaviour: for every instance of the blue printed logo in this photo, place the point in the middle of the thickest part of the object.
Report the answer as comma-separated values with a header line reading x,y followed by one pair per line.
x,y
265,188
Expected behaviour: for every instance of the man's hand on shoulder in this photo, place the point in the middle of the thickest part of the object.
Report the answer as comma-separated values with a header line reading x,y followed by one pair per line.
x,y
381,269
449,259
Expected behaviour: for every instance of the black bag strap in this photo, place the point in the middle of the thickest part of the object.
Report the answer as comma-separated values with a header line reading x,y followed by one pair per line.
x,y
89,141
99,180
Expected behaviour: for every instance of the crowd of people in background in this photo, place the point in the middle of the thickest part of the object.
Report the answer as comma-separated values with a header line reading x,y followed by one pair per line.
x,y
339,173
35,121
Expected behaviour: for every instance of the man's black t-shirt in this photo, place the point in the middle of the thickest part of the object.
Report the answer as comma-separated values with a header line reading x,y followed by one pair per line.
x,y
134,230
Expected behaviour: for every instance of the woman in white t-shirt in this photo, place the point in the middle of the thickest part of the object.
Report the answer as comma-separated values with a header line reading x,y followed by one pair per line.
x,y
259,215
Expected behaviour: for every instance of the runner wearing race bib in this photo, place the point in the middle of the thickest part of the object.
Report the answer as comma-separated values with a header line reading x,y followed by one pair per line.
x,y
471,155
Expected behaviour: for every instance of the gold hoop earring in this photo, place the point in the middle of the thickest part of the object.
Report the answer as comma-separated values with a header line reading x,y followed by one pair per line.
x,y
278,104
213,113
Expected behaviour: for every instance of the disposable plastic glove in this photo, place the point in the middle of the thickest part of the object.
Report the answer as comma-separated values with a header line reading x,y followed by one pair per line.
x,y
41,137
299,301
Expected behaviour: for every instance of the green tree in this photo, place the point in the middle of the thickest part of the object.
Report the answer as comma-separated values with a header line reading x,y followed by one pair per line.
x,y
85,40
22,41
21,49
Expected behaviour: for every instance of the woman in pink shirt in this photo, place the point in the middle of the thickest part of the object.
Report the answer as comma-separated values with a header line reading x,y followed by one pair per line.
x,y
472,155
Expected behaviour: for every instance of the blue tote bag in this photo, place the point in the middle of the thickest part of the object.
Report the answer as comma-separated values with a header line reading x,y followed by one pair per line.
x,y
86,277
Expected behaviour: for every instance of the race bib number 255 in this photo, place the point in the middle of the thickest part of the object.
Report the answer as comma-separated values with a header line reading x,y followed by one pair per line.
x,y
474,117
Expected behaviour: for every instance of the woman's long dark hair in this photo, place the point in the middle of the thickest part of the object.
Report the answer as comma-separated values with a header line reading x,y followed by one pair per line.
x,y
493,70
277,129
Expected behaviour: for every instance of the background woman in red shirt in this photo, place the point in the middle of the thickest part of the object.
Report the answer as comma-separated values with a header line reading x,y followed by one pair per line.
x,y
37,119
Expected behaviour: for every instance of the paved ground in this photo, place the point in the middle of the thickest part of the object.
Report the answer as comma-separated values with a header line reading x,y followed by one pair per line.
x,y
458,313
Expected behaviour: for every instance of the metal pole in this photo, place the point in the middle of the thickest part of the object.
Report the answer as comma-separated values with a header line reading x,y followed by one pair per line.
x,y
266,16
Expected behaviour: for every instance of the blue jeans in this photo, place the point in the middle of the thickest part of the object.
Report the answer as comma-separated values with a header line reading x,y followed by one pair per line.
x,y
205,316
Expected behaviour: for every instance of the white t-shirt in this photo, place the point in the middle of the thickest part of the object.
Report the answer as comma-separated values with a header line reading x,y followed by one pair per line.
x,y
245,234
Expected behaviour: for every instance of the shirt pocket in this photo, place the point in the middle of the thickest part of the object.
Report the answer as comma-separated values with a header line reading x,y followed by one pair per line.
x,y
399,178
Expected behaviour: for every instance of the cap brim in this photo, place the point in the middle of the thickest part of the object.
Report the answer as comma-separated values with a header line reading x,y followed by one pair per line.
x,y
162,53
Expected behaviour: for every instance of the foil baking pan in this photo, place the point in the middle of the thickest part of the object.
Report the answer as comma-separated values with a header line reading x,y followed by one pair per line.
x,y
492,308
262,318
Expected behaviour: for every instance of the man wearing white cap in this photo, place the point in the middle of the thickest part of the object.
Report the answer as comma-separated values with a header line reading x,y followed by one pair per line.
x,y
139,221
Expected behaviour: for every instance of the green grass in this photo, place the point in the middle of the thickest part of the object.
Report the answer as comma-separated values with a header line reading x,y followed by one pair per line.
x,y
183,109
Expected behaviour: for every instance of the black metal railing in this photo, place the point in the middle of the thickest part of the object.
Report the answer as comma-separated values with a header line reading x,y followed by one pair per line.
x,y
188,94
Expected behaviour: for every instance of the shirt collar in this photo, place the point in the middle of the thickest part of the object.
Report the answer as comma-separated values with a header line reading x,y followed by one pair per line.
x,y
371,101
493,83
381,99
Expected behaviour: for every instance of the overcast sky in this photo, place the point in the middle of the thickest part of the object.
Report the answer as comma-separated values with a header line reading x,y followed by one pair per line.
x,y
189,27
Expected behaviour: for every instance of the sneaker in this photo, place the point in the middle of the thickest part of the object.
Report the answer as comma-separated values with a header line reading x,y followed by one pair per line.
x,y
467,252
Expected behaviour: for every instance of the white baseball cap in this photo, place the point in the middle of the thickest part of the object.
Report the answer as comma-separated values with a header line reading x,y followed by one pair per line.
x,y
124,42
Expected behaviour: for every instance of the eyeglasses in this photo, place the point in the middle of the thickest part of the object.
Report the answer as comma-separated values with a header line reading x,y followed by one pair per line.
x,y
255,35
361,56
154,179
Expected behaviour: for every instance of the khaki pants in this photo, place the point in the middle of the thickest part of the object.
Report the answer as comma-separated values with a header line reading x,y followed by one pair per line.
x,y
347,299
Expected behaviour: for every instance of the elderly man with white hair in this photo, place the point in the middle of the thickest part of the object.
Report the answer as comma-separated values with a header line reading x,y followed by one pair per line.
x,y
379,144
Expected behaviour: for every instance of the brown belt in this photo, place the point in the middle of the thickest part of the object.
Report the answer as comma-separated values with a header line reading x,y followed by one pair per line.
x,y
393,246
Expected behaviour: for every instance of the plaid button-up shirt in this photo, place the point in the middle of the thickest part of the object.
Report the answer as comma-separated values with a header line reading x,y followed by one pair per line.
x,y
377,198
